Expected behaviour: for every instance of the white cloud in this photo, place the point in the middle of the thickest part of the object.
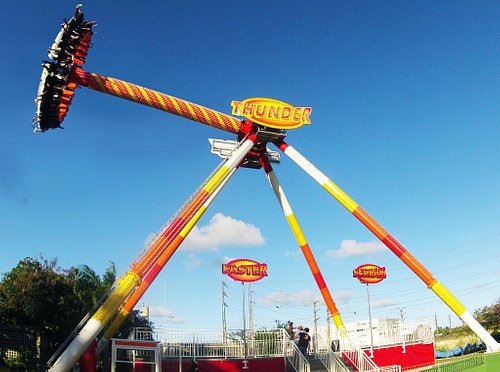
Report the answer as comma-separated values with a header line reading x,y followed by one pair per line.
x,y
301,298
161,312
222,231
383,302
342,297
354,248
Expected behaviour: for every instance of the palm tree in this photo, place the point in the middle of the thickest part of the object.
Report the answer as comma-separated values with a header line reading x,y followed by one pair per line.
x,y
89,287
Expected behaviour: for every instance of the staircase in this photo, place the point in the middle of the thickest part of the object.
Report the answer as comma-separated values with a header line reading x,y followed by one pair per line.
x,y
324,359
316,364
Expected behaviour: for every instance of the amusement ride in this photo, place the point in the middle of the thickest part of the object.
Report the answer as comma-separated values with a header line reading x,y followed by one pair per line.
x,y
266,122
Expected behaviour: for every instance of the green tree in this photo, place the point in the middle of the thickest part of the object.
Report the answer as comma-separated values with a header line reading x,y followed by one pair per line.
x,y
134,319
89,287
489,316
38,294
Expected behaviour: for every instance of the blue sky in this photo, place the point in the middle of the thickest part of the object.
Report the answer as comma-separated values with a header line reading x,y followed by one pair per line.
x,y
405,116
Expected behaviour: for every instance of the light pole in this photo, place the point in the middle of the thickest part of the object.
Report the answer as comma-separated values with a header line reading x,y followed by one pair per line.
x,y
245,346
315,325
370,318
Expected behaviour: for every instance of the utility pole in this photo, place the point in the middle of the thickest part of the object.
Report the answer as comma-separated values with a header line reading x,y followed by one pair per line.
x,y
449,322
250,310
370,318
245,344
402,328
436,321
224,305
165,307
328,336
402,314
315,325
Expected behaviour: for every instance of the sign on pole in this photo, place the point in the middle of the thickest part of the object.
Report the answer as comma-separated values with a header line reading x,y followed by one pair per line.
x,y
369,273
245,270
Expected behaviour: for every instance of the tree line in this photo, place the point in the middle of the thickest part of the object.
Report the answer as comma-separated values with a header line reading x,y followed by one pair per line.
x,y
39,295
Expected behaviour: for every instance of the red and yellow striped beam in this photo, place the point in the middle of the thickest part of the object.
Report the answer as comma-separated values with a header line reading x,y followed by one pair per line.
x,y
304,246
127,285
157,100
151,256
439,289
164,246
161,262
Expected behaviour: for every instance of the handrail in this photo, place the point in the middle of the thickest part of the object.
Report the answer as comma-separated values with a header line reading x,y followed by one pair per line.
x,y
359,359
327,356
293,355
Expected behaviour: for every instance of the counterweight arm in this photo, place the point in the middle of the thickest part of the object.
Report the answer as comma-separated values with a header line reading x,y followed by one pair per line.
x,y
157,100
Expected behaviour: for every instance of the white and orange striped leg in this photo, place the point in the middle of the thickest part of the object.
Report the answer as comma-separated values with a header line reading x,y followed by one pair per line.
x,y
304,246
391,243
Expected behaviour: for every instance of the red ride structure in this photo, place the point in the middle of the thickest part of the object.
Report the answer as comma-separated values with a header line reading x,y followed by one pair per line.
x,y
64,72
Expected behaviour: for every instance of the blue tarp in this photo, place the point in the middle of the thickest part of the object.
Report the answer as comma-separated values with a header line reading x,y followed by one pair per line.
x,y
460,351
450,353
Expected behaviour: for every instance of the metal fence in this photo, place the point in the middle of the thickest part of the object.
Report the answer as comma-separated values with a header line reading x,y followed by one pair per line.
x,y
19,343
457,365
330,360
214,344
385,332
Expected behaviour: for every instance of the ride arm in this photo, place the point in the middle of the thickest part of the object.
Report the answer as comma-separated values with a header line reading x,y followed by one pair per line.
x,y
390,242
157,100
160,264
303,244
126,286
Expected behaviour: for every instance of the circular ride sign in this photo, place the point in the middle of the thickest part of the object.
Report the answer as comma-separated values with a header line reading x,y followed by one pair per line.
x,y
369,273
245,270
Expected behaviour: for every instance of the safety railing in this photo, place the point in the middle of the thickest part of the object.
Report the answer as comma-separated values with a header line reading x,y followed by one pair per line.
x,y
132,355
330,360
457,365
213,344
143,334
389,332
393,368
356,356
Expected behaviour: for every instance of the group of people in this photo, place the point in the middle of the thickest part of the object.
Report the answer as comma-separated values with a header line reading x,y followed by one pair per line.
x,y
301,337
